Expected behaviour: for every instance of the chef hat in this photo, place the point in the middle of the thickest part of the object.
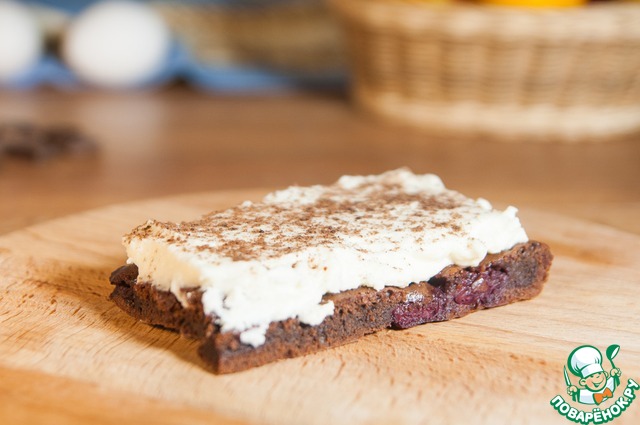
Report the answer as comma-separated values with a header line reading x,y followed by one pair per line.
x,y
585,360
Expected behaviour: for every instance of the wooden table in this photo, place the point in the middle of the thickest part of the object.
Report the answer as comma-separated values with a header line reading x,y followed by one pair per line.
x,y
178,141
175,142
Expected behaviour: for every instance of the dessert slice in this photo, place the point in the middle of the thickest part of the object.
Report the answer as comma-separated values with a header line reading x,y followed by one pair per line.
x,y
312,268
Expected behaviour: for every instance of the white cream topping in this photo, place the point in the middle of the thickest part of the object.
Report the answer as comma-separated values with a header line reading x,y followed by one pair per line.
x,y
274,260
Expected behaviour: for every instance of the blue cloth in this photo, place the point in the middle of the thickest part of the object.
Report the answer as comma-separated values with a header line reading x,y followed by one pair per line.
x,y
50,71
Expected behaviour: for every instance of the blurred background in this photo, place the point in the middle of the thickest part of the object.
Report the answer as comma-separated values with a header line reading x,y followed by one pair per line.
x,y
527,102
226,46
532,103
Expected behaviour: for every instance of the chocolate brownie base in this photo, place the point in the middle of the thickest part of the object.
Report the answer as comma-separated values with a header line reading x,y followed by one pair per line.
x,y
513,275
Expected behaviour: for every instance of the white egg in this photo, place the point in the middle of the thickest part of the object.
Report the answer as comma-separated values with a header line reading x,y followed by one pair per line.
x,y
20,40
116,44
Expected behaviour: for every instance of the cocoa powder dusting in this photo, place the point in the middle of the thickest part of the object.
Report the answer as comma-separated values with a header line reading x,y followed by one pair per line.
x,y
269,230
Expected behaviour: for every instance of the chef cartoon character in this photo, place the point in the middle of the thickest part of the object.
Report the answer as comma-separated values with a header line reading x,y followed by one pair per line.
x,y
586,363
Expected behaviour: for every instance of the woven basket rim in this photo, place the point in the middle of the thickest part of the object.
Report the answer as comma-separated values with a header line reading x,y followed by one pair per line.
x,y
506,122
597,22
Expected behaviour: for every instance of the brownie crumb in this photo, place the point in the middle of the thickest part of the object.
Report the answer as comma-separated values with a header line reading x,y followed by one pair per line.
x,y
35,142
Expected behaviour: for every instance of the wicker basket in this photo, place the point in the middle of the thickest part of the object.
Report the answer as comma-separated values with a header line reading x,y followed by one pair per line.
x,y
509,73
289,36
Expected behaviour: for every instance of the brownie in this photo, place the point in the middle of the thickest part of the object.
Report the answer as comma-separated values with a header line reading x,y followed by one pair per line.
x,y
513,275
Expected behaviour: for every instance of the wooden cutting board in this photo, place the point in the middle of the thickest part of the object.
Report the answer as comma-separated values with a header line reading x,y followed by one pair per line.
x,y
68,355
